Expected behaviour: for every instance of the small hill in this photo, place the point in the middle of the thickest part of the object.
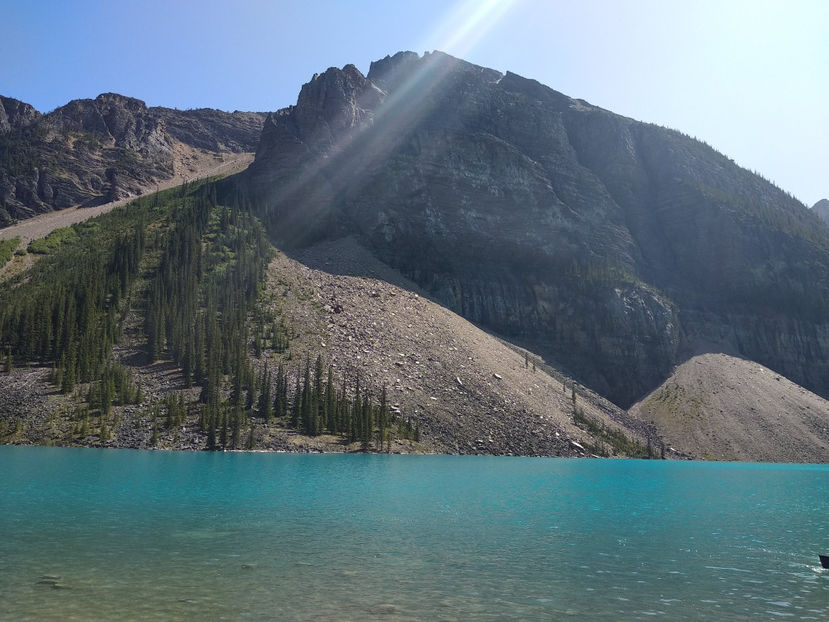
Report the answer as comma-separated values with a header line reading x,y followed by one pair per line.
x,y
720,407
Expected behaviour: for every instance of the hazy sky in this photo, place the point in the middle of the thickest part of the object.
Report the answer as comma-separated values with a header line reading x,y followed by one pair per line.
x,y
751,78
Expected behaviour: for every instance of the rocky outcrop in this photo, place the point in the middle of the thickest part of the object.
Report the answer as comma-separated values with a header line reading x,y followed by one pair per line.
x,y
92,151
612,247
15,114
821,208
212,130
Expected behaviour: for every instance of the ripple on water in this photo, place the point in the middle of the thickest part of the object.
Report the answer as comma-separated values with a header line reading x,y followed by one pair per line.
x,y
134,535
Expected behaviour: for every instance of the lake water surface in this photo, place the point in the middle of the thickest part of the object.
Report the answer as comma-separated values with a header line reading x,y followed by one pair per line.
x,y
104,534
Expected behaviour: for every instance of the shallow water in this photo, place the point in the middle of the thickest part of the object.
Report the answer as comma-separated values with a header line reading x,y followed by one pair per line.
x,y
102,534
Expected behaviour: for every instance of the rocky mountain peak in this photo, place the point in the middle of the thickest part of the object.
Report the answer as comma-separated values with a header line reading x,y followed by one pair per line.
x,y
125,121
821,208
15,114
387,72
333,102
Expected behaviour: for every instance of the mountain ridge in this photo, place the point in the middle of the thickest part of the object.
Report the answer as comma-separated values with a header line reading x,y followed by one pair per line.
x,y
93,151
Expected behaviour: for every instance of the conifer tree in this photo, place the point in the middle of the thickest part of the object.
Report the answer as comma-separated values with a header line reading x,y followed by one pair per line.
x,y
104,428
236,426
265,405
296,411
330,403
280,403
307,416
224,427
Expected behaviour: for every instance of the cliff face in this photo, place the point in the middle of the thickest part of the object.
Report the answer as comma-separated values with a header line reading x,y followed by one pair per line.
x,y
612,247
15,114
821,208
92,151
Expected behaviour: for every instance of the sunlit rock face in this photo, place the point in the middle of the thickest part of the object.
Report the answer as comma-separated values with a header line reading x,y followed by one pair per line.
x,y
15,114
612,247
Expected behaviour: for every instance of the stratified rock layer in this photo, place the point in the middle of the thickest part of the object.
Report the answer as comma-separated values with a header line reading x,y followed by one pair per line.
x,y
614,248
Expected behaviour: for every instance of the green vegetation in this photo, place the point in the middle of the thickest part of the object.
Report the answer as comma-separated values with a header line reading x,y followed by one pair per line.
x,y
7,248
183,276
609,440
352,413
66,310
54,240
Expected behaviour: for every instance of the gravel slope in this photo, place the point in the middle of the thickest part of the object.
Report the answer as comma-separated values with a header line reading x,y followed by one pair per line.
x,y
470,392
717,406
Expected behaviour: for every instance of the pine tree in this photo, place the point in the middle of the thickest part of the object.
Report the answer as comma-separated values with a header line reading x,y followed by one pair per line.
x,y
280,402
104,428
355,413
265,405
224,426
307,416
383,419
330,403
296,411
366,423
236,426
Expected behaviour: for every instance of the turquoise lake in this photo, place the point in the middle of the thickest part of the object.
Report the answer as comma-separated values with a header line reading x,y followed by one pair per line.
x,y
105,534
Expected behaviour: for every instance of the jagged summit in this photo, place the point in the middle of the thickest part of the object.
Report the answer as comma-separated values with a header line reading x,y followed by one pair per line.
x,y
821,208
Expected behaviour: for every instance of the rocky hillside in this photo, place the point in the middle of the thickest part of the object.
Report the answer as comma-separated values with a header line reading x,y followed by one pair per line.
x,y
181,357
716,406
93,151
821,208
615,249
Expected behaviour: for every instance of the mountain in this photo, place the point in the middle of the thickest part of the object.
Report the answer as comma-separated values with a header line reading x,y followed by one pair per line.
x,y
93,151
613,248
821,208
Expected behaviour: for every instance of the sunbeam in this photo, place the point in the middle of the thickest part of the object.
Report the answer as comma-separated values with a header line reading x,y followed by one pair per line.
x,y
466,23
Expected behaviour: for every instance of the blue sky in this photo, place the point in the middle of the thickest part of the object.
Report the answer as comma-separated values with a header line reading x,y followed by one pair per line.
x,y
751,78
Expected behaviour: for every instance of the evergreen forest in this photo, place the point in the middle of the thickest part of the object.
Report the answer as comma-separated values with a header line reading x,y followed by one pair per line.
x,y
175,280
